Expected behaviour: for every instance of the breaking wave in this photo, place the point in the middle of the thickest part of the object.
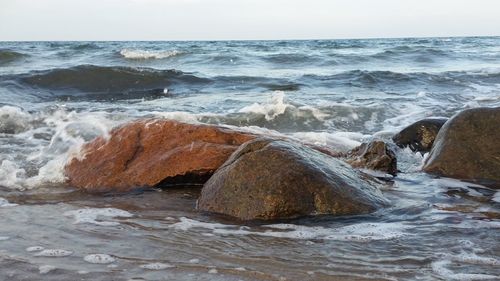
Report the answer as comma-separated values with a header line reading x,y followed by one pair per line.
x,y
137,54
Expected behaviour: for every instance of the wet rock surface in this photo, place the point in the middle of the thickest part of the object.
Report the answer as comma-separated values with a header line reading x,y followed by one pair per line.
x,y
420,135
275,179
153,152
375,155
468,147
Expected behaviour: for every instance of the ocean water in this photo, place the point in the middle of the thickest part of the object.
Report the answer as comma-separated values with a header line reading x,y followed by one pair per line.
x,y
54,96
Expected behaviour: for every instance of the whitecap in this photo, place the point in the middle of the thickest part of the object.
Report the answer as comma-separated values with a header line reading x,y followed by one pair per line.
x,y
148,54
277,105
91,215
99,258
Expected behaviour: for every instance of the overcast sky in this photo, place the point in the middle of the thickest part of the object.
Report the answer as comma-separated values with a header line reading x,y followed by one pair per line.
x,y
244,19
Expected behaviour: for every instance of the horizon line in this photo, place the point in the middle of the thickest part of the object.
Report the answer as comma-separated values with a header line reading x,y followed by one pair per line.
x,y
226,40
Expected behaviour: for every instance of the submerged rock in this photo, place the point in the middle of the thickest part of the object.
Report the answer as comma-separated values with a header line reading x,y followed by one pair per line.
x,y
420,135
271,179
375,155
153,152
468,147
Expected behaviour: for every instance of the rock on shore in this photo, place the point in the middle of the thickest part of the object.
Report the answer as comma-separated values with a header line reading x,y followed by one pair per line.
x,y
271,179
374,155
420,135
468,147
153,152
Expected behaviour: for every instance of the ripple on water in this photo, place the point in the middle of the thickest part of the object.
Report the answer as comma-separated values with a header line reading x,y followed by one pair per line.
x,y
362,232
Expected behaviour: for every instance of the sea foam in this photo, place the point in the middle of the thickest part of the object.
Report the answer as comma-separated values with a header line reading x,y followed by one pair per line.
x,y
5,203
157,266
99,259
54,253
94,215
362,232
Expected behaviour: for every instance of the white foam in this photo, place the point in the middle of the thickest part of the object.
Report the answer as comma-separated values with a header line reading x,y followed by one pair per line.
x,y
440,267
44,269
34,249
14,120
277,105
148,54
421,94
357,232
213,271
194,261
449,182
11,175
496,197
5,203
54,253
342,141
91,215
157,266
69,130
3,238
99,259
179,116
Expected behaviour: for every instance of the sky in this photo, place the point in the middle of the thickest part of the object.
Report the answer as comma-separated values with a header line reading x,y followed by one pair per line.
x,y
49,20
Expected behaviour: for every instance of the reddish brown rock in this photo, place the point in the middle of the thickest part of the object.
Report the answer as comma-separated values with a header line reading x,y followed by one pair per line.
x,y
153,152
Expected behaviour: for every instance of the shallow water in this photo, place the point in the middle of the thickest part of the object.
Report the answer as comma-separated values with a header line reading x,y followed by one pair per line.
x,y
56,95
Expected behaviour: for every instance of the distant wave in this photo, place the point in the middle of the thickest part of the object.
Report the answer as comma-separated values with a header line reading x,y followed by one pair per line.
x,y
290,58
85,46
413,51
7,56
138,54
106,82
391,79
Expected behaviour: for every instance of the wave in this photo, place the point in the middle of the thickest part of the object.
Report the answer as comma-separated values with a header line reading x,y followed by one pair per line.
x,y
290,58
8,56
107,82
419,53
85,46
137,54
390,80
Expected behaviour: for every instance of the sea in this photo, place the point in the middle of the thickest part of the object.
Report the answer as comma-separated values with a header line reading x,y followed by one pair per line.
x,y
55,96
